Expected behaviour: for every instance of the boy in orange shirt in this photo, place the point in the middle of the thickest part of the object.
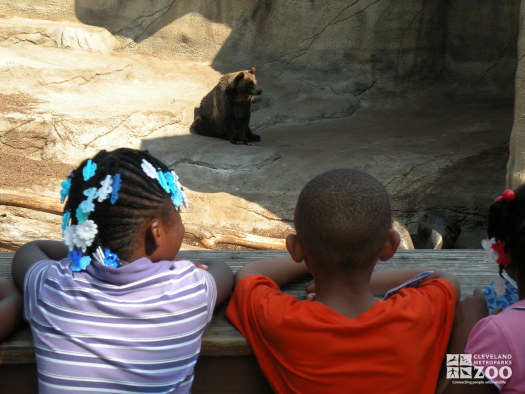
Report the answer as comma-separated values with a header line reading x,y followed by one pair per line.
x,y
347,340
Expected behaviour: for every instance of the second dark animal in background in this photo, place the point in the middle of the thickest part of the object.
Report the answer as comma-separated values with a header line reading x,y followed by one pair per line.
x,y
437,230
225,111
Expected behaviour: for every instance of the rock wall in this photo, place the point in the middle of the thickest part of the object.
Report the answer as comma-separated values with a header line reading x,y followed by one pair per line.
x,y
482,44
516,163
78,76
380,45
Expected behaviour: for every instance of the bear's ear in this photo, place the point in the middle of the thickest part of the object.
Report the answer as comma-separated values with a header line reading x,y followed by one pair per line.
x,y
239,76
252,70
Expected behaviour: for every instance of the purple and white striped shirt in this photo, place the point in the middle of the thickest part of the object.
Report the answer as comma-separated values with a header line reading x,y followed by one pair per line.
x,y
131,329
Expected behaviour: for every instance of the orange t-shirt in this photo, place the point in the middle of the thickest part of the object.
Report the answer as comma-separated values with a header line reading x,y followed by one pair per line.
x,y
397,346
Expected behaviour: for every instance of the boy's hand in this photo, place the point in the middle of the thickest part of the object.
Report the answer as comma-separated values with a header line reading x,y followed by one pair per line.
x,y
200,265
310,290
474,307
310,287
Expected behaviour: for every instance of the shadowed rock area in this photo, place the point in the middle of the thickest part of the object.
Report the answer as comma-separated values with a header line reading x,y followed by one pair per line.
x,y
419,95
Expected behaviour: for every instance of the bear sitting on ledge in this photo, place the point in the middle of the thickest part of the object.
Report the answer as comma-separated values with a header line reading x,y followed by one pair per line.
x,y
225,111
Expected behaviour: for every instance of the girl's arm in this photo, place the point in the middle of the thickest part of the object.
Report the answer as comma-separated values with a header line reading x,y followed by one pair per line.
x,y
468,312
33,252
383,281
10,307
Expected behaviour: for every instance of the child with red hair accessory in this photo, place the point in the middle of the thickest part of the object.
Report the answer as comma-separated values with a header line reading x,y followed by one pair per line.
x,y
503,291
500,336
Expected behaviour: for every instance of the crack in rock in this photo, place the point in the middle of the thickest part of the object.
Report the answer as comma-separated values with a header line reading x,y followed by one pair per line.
x,y
405,32
507,47
261,214
141,23
405,183
241,167
86,79
314,37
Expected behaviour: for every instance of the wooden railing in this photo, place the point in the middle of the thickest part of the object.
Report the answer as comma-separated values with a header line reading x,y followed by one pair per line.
x,y
226,358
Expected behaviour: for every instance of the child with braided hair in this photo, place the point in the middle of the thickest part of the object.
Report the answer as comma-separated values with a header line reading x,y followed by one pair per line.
x,y
110,309
500,336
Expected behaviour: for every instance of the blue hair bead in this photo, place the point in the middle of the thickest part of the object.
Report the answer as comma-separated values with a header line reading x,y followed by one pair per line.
x,y
162,181
66,186
78,261
66,217
89,170
116,187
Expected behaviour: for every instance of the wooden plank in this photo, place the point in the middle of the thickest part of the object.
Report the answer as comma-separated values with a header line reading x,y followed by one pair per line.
x,y
18,378
5,265
18,348
229,375
221,339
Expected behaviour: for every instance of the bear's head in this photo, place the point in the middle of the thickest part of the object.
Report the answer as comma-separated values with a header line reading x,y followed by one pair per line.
x,y
244,86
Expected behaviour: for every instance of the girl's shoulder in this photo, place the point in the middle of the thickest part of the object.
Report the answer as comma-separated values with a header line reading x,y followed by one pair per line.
x,y
518,306
506,324
49,267
186,268
513,315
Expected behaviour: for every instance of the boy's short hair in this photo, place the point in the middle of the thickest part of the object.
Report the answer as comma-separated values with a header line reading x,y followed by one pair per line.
x,y
343,218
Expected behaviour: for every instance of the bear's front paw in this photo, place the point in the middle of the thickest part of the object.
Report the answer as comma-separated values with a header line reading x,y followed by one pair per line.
x,y
254,138
240,142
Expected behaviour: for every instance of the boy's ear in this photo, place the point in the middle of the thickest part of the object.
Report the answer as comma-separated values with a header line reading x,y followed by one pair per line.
x,y
294,248
391,245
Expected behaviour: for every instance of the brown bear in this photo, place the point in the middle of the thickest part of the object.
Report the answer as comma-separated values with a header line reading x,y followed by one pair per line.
x,y
225,111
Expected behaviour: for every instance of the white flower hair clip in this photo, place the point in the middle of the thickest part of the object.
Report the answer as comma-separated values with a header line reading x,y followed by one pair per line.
x,y
169,181
495,252
80,236
490,254
148,168
106,188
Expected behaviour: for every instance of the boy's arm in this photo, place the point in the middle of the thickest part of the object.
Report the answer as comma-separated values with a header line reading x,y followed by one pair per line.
x,y
281,270
33,252
223,276
383,281
10,307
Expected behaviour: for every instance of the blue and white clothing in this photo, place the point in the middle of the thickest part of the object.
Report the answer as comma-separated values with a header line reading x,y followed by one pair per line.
x,y
131,329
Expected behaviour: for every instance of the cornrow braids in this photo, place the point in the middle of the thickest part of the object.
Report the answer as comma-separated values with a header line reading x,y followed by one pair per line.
x,y
506,222
140,197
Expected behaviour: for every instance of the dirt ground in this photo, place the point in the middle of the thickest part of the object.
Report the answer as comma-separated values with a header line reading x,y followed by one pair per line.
x,y
446,156
18,171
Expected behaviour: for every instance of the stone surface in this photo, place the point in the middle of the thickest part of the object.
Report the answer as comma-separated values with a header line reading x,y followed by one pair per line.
x,y
376,85
45,33
516,163
339,49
